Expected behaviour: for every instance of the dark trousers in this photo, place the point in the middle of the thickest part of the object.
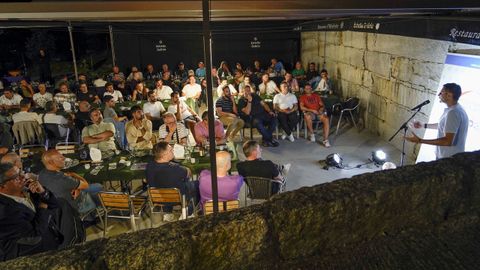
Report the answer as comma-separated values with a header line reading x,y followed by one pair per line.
x,y
265,124
288,121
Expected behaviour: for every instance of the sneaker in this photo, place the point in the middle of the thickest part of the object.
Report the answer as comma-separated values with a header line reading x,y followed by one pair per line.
x,y
286,168
312,137
326,143
266,144
284,136
290,138
274,143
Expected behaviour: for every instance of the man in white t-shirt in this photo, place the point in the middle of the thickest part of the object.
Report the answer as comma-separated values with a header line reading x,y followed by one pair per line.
x,y
183,113
10,100
24,114
192,89
161,91
286,105
42,97
153,110
51,117
109,91
268,86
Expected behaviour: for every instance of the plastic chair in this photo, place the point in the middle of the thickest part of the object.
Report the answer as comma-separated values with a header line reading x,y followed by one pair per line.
x,y
223,206
260,188
121,206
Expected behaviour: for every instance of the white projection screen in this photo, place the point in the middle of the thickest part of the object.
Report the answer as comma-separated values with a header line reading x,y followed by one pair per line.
x,y
465,71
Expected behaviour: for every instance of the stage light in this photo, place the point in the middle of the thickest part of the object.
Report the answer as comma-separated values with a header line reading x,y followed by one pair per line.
x,y
389,166
379,157
334,160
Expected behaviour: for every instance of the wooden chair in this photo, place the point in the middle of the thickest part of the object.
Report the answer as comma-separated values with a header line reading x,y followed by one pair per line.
x,y
67,148
161,197
260,188
223,206
26,151
122,206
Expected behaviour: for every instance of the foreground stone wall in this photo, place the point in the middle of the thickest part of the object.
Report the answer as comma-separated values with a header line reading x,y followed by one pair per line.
x,y
417,217
389,73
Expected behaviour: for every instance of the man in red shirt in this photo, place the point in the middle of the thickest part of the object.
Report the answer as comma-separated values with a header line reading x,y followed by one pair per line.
x,y
313,109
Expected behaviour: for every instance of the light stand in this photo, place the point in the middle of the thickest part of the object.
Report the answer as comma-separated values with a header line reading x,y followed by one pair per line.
x,y
404,127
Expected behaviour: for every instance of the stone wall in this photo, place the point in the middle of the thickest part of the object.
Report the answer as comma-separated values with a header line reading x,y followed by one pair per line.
x,y
417,217
389,73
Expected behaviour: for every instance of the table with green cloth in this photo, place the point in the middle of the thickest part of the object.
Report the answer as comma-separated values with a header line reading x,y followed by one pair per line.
x,y
115,168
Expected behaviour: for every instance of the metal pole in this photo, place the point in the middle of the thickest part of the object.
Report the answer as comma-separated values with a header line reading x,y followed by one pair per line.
x,y
207,54
72,48
112,45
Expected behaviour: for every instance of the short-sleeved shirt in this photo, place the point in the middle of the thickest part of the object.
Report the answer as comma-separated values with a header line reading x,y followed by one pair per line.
x,y
41,100
164,92
166,175
269,88
258,168
225,103
454,120
257,108
201,130
15,100
133,133
89,96
228,186
62,97
116,95
180,133
26,116
190,91
52,118
183,109
298,72
109,113
312,101
59,184
94,129
285,101
154,109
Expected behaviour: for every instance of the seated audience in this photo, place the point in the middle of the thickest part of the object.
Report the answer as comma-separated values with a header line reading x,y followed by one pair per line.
x,y
246,81
10,100
312,107
228,185
51,117
85,94
267,86
224,84
116,76
277,66
42,96
172,131
286,106
228,114
24,114
292,83
183,112
312,75
150,73
139,92
27,218
223,71
109,91
12,158
255,166
99,134
139,130
82,116
26,89
109,112
167,80
202,134
132,73
64,95
161,91
181,73
255,111
153,110
325,84
66,185
200,72
192,89
6,139
299,73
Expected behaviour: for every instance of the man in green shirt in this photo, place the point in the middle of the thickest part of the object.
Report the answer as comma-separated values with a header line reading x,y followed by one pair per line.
x,y
99,134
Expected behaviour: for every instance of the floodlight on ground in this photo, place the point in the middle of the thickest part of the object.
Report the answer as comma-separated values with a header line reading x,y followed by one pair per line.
x,y
389,166
334,160
379,157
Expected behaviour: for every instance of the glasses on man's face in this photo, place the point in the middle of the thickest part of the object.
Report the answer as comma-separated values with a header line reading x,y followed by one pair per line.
x,y
18,176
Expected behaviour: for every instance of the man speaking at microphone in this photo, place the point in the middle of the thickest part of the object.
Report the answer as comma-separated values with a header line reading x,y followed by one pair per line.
x,y
452,127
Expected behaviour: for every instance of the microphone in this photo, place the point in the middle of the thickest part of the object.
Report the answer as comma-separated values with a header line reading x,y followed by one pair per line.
x,y
420,105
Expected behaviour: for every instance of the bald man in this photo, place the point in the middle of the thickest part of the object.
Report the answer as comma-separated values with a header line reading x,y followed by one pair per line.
x,y
63,185
228,185
13,159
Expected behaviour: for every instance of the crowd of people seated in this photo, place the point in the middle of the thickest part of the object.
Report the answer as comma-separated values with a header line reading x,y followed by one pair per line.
x,y
149,110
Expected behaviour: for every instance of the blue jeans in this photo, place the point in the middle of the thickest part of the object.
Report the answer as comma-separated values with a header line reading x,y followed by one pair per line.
x,y
265,124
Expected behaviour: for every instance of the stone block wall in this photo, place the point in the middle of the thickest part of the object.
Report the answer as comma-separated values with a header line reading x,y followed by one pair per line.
x,y
423,216
389,73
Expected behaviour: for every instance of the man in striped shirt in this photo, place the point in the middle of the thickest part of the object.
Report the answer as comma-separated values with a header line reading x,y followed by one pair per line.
x,y
228,114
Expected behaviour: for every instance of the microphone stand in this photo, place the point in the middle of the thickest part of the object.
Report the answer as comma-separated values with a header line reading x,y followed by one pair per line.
x,y
404,127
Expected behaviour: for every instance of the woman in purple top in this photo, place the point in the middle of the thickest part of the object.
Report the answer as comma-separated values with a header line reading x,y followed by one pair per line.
x,y
228,185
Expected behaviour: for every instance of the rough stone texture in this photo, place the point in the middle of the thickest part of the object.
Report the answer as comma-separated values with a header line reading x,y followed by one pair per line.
x,y
423,216
389,73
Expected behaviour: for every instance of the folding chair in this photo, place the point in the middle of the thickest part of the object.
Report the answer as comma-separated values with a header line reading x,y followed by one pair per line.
x,y
223,206
122,206
260,188
161,197
350,105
